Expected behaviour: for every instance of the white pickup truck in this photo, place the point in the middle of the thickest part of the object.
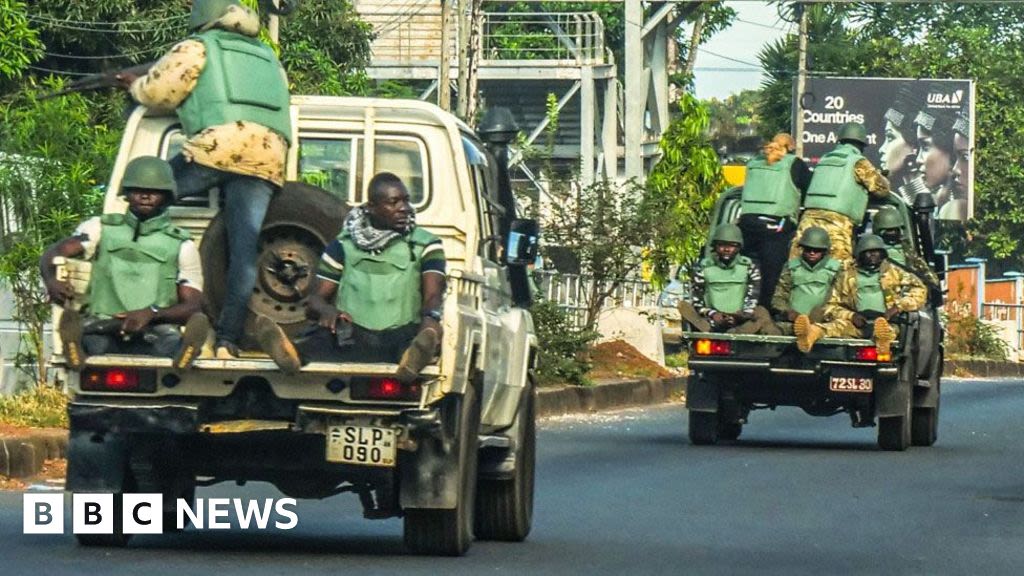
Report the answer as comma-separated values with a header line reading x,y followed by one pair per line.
x,y
453,453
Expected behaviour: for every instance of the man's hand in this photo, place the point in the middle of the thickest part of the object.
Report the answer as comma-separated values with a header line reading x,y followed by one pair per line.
x,y
329,318
60,291
719,319
428,323
791,315
125,79
859,320
891,312
741,317
136,320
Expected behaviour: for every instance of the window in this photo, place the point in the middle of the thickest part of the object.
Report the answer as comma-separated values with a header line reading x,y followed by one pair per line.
x,y
484,184
329,164
404,158
174,141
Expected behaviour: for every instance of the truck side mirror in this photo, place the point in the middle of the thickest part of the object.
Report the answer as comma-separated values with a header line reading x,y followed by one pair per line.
x,y
522,243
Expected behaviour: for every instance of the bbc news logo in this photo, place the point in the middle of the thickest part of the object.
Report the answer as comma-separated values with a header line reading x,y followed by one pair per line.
x,y
143,514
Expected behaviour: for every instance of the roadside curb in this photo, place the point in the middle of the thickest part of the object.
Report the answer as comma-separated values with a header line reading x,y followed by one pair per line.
x,y
984,368
23,456
556,401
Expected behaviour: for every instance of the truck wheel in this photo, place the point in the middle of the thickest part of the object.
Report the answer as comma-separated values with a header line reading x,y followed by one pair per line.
x,y
300,221
729,430
504,508
703,428
925,426
116,540
450,532
894,431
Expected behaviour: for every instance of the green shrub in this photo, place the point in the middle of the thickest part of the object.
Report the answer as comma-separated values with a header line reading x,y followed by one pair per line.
x,y
562,348
968,336
38,406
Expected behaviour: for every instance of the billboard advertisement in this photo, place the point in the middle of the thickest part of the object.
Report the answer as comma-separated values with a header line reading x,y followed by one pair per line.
x,y
920,132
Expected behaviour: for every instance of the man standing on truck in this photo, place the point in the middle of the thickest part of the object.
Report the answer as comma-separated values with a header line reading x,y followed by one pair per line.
x,y
231,95
838,194
805,282
770,207
725,289
888,224
865,299
380,290
146,280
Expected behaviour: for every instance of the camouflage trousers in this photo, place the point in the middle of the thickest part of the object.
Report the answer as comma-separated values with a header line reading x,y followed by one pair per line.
x,y
842,328
761,323
839,228
817,315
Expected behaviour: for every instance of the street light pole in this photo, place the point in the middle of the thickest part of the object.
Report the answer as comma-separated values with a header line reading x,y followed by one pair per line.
x,y
801,82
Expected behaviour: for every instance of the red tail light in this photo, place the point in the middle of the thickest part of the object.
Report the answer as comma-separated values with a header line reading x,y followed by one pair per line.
x,y
870,354
707,347
118,380
385,389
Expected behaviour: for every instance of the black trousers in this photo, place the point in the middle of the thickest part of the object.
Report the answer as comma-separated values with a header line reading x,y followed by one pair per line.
x,y
767,243
318,344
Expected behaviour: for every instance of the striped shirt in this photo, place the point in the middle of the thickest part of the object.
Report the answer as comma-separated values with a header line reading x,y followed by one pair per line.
x,y
332,263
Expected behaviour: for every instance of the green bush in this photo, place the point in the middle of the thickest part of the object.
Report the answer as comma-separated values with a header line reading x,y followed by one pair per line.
x,y
968,336
562,348
41,405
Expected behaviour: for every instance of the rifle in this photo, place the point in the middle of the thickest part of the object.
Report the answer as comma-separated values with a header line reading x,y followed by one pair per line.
x,y
101,81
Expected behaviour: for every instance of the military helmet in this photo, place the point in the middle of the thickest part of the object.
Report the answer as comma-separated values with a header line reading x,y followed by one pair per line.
x,y
885,219
854,131
151,173
207,11
869,242
727,233
815,237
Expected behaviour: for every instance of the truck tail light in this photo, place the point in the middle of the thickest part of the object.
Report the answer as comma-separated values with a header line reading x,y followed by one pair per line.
x,y
385,389
708,347
870,354
118,380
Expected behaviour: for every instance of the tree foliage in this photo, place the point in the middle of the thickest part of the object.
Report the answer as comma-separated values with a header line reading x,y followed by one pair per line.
x,y
681,189
980,41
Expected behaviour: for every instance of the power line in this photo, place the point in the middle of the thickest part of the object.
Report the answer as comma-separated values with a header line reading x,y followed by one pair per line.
x,y
77,26
61,72
768,26
57,21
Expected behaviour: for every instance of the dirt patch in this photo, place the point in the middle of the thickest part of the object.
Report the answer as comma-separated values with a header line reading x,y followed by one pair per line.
x,y
12,431
617,359
53,472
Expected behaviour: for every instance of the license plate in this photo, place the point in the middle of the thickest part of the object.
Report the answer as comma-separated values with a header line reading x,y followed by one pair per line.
x,y
850,384
363,445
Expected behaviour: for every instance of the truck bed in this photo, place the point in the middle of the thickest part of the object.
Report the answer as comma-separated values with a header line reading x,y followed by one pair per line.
x,y
255,364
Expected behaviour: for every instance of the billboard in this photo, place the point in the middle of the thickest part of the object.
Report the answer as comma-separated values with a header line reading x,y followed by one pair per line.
x,y
920,131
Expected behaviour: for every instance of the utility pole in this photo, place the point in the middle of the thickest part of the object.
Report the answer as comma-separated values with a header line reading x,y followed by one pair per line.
x,y
462,103
274,25
801,81
444,88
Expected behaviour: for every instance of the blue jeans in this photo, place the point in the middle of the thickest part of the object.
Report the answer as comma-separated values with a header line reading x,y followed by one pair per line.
x,y
245,204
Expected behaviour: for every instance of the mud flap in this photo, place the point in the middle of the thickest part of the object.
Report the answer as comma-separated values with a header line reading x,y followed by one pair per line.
x,y
701,394
926,395
96,462
430,477
891,397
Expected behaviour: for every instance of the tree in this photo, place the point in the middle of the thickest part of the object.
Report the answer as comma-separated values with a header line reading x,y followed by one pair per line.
x,y
941,40
681,190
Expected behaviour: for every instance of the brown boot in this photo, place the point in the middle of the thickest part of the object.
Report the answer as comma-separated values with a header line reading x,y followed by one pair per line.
x,y
419,353
807,333
70,329
884,336
196,331
275,342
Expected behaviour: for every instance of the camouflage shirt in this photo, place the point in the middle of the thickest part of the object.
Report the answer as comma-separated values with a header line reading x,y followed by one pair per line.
x,y
870,178
900,288
918,265
699,287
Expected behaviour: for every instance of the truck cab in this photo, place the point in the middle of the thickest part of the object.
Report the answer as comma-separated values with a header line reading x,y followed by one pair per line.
x,y
452,453
734,375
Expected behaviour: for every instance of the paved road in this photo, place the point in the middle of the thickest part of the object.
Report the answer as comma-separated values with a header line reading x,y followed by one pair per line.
x,y
625,493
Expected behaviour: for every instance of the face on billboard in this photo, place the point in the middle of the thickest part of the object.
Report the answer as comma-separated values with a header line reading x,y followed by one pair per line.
x,y
935,162
962,167
895,152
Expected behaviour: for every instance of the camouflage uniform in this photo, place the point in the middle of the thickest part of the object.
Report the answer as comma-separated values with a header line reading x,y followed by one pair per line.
x,y
698,313
839,226
918,265
781,302
900,288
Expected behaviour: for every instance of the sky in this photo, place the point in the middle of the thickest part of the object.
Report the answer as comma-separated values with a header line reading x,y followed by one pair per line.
x,y
728,64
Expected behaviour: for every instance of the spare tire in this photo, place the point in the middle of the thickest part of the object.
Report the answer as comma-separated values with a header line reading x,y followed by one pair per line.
x,y
300,221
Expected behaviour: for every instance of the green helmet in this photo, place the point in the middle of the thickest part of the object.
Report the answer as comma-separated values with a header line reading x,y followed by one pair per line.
x,y
869,242
854,131
885,219
815,237
727,233
206,11
151,173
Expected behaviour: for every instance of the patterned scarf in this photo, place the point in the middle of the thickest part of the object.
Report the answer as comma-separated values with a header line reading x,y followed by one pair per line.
x,y
368,238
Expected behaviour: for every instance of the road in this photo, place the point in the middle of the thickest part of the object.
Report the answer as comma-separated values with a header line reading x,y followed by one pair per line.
x,y
625,493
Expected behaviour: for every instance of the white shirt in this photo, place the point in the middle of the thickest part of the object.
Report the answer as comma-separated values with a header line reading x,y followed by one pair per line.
x,y
190,269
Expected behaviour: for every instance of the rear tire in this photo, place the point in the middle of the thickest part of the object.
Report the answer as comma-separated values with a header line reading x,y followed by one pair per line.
x,y
504,508
894,432
925,426
729,430
449,532
116,540
703,428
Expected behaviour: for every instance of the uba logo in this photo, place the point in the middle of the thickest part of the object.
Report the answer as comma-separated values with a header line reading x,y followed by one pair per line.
x,y
946,98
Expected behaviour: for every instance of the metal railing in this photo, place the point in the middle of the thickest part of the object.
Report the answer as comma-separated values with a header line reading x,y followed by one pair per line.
x,y
571,293
1001,312
576,37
